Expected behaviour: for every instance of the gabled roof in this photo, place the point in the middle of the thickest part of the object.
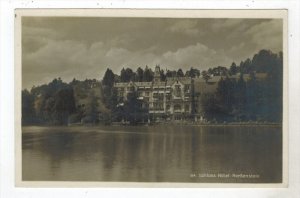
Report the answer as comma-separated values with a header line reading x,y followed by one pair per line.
x,y
143,84
212,79
122,84
183,80
160,84
247,77
203,87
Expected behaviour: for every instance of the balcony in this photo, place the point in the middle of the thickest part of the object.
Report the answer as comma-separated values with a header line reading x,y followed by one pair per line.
x,y
178,111
156,110
177,98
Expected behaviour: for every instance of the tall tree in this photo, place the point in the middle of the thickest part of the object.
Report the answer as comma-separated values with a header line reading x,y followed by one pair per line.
x,y
123,76
109,78
57,108
253,95
247,67
139,74
148,74
180,73
192,73
28,113
162,75
91,112
205,76
233,69
107,86
170,73
240,97
225,93
133,109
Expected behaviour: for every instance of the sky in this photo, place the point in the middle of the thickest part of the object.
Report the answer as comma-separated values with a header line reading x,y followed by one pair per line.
x,y
82,47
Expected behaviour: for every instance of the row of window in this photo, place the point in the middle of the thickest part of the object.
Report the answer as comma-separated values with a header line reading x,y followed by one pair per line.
x,y
177,107
177,87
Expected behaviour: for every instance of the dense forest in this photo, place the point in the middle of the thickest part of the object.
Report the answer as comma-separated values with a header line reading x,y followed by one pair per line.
x,y
56,103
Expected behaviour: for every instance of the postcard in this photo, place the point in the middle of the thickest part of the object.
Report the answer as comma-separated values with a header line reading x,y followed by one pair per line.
x,y
151,98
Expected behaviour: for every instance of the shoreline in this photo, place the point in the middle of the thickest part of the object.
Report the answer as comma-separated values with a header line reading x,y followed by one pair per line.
x,y
163,124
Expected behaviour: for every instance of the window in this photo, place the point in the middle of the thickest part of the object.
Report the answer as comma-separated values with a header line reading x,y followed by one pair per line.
x,y
121,94
186,88
187,107
168,107
147,93
161,106
130,88
168,96
177,107
177,91
161,96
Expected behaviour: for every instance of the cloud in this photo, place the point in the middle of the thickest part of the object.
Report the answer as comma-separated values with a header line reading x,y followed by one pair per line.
x,y
267,35
36,37
187,27
198,56
224,24
28,31
73,51
68,59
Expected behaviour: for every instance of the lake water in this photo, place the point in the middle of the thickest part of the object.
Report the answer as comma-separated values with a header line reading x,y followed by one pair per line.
x,y
162,153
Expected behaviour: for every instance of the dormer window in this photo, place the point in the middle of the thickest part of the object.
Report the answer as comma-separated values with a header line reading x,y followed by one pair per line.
x,y
177,91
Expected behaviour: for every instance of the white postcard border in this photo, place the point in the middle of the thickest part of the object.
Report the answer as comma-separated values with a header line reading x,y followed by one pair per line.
x,y
158,13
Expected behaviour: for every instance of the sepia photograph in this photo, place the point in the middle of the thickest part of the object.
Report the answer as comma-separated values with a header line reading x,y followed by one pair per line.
x,y
188,97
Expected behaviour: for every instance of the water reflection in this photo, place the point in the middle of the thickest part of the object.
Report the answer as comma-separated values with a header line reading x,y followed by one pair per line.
x,y
151,154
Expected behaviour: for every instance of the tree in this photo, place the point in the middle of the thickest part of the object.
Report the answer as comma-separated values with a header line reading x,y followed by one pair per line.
x,y
109,78
247,67
205,76
56,109
179,73
91,113
192,73
28,113
107,85
148,75
264,61
253,95
233,69
123,76
171,74
162,75
74,82
116,107
139,74
271,88
240,67
240,98
127,75
225,95
133,109
209,71
211,108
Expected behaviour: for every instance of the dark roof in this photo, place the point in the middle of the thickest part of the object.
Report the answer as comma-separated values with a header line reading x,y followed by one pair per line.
x,y
201,86
143,84
183,80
